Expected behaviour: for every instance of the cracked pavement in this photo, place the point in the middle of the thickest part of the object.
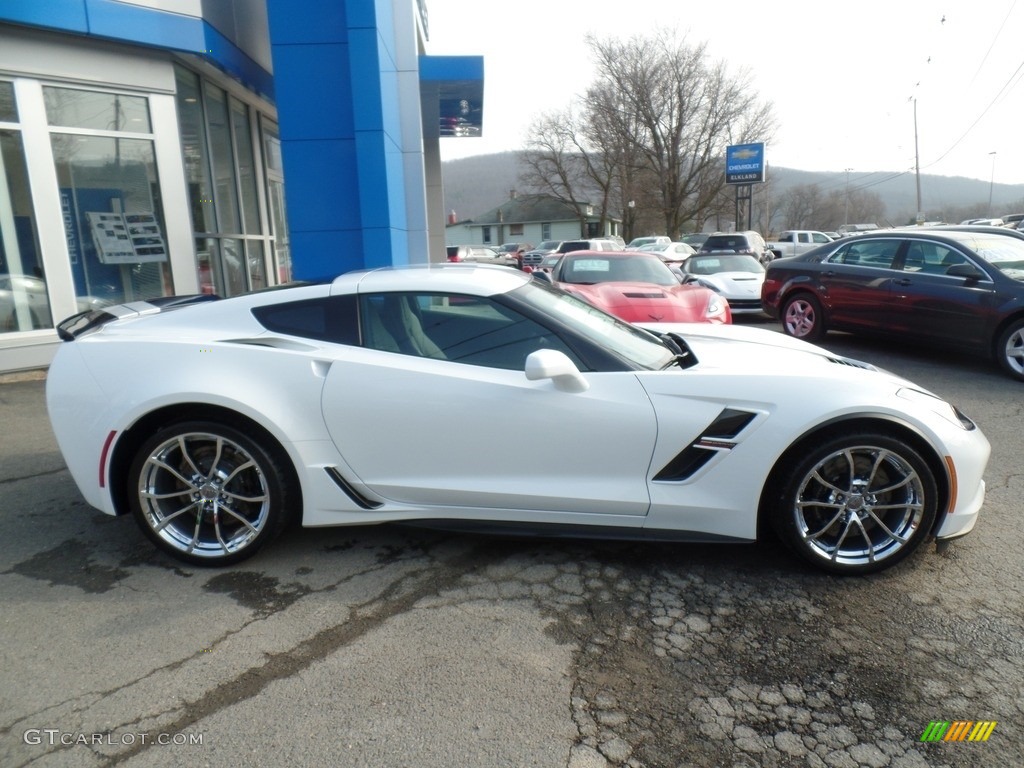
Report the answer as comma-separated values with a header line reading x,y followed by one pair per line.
x,y
388,646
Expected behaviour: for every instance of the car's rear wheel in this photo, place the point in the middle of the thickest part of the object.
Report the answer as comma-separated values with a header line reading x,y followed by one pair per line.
x,y
802,317
208,494
1010,350
856,503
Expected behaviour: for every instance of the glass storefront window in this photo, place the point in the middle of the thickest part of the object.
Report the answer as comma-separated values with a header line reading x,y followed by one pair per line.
x,y
193,145
96,110
275,190
8,107
231,214
24,301
246,167
225,190
256,263
109,192
222,266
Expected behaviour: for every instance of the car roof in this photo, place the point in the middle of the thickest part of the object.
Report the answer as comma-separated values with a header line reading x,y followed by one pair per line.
x,y
476,279
975,228
615,254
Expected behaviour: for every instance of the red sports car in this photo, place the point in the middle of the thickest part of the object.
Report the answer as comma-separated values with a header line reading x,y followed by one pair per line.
x,y
637,287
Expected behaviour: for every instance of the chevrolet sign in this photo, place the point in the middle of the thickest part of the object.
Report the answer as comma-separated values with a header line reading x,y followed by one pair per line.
x,y
744,164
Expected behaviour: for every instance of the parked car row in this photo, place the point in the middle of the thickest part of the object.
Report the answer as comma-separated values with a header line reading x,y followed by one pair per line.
x,y
957,287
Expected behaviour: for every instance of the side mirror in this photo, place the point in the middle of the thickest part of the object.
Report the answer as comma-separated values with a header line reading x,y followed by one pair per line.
x,y
539,274
966,271
555,365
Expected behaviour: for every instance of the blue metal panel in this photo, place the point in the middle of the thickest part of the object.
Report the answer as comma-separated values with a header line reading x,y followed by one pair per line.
x,y
145,26
366,93
375,176
69,15
327,254
229,57
381,248
323,185
452,68
314,21
314,106
364,14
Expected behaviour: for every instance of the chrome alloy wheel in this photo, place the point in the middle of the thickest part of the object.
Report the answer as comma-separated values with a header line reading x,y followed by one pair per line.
x,y
859,505
203,494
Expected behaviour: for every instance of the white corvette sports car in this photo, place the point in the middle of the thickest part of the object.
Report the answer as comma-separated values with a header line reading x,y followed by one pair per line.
x,y
474,397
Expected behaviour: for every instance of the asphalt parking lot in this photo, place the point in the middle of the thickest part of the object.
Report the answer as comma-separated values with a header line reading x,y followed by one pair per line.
x,y
400,647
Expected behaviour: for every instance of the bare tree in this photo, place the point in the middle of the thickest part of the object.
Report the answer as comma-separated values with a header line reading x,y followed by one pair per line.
x,y
684,110
552,162
799,206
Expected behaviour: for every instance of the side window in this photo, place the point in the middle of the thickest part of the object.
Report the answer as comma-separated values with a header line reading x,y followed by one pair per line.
x,y
942,258
332,319
804,237
867,253
457,328
820,238
786,237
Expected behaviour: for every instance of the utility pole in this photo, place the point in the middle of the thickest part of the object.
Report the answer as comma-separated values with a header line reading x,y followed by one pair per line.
x,y
992,182
917,170
846,211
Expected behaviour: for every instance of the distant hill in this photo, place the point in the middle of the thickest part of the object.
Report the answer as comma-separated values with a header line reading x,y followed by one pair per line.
x,y
473,185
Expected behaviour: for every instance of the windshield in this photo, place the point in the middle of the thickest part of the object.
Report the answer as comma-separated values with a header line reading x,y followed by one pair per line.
x,y
724,262
1004,252
549,245
637,346
589,269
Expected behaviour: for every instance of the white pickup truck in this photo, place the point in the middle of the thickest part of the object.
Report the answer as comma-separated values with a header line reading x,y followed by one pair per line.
x,y
793,242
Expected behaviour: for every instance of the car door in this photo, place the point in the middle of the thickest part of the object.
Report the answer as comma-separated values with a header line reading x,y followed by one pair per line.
x,y
458,425
930,304
856,283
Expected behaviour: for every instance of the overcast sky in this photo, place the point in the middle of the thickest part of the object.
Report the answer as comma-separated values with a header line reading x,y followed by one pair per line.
x,y
842,76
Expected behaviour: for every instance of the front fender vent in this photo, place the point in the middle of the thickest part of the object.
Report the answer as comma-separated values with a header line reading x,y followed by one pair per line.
x,y
718,436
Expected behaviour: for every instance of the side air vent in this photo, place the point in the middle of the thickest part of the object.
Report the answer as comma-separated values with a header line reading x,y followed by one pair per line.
x,y
718,436
852,363
357,498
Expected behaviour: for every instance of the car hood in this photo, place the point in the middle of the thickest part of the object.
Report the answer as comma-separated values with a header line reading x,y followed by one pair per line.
x,y
739,284
646,302
742,348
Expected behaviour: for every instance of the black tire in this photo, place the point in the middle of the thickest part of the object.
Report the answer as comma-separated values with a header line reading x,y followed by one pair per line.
x,y
856,503
1010,350
802,317
207,494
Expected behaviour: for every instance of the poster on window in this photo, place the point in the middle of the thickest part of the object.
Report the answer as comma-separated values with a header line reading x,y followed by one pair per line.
x,y
128,238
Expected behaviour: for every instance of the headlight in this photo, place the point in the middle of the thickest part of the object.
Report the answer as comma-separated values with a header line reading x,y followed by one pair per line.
x,y
716,306
937,406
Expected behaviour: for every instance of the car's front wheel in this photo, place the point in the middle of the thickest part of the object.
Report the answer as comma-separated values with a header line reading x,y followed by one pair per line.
x,y
208,494
1010,350
802,317
856,503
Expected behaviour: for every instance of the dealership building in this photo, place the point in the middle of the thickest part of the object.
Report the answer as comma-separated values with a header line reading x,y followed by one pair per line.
x,y
158,147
